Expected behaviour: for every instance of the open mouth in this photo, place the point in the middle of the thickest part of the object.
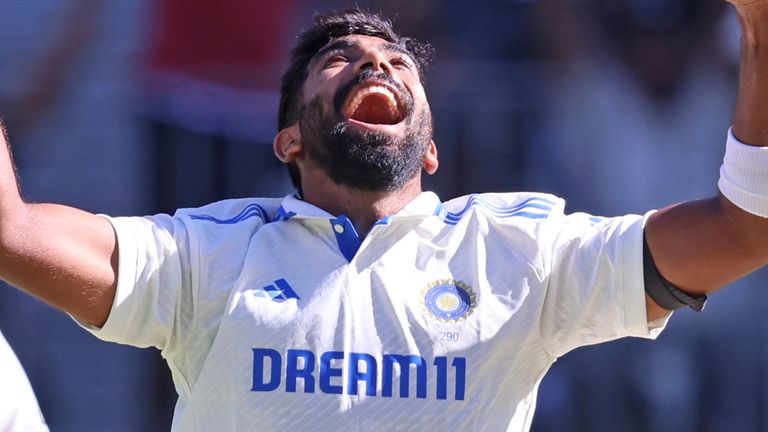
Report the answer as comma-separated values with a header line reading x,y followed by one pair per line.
x,y
375,104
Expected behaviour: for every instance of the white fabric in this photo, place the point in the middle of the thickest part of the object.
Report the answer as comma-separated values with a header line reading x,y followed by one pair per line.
x,y
19,411
538,283
743,176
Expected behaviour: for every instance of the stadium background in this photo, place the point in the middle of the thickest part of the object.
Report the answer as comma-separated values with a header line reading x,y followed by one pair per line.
x,y
617,105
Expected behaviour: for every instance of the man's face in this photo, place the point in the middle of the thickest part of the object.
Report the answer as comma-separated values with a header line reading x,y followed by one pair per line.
x,y
365,120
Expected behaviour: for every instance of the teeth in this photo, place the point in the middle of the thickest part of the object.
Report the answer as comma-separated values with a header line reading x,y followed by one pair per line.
x,y
362,93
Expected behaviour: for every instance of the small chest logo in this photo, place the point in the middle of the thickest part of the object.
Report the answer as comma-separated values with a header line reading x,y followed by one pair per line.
x,y
448,300
279,291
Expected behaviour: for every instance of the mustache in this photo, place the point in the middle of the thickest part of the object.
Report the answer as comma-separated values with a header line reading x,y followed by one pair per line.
x,y
369,74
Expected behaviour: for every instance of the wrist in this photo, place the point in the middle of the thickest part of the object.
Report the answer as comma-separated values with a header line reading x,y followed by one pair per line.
x,y
743,179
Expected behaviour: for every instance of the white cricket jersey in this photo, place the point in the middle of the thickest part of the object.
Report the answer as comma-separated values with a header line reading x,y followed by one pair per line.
x,y
18,406
275,315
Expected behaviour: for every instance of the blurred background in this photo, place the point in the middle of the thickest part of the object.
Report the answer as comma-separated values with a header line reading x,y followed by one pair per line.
x,y
133,107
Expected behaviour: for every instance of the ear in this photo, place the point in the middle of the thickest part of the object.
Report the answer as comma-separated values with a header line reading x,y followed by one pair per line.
x,y
287,144
430,159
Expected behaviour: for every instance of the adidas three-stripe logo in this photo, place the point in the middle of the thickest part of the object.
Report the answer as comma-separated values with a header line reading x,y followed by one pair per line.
x,y
279,291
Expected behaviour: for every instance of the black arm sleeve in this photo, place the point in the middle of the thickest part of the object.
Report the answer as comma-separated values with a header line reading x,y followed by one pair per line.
x,y
662,291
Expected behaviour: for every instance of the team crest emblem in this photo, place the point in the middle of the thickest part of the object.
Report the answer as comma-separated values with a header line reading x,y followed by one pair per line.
x,y
449,300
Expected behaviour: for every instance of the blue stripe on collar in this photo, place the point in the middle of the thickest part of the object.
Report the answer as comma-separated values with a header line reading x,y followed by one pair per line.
x,y
346,236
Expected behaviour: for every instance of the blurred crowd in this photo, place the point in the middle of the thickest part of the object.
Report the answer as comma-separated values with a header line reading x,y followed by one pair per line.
x,y
619,106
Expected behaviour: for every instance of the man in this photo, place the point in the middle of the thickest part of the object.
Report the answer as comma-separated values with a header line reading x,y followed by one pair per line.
x,y
364,303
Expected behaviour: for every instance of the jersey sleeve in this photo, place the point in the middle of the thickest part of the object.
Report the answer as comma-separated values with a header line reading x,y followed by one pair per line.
x,y
156,283
595,288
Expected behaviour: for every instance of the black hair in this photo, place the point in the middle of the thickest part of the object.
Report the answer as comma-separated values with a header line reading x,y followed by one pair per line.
x,y
325,29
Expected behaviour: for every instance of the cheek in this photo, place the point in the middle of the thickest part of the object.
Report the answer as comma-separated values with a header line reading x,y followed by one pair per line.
x,y
420,100
329,80
315,84
324,91
316,105
419,95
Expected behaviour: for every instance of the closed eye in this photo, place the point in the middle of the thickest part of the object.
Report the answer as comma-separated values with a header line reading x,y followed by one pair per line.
x,y
401,63
336,60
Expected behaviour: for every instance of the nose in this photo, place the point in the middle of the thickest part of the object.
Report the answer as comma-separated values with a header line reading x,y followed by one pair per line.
x,y
374,60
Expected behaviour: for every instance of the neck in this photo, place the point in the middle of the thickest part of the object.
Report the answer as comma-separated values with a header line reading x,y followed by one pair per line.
x,y
362,207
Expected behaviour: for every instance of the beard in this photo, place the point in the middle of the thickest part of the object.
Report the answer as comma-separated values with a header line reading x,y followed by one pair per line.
x,y
365,160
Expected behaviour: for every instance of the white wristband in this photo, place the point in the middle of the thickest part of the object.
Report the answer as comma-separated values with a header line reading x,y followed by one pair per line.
x,y
744,176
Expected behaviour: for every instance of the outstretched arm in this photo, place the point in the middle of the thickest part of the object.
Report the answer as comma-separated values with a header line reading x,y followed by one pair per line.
x,y
66,257
702,245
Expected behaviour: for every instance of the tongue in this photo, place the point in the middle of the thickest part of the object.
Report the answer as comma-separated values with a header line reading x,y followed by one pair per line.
x,y
374,109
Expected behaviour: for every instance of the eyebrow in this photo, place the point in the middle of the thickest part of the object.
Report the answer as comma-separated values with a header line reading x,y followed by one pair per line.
x,y
342,44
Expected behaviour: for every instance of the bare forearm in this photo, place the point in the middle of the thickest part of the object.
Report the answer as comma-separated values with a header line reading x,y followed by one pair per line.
x,y
65,256
700,246
10,198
